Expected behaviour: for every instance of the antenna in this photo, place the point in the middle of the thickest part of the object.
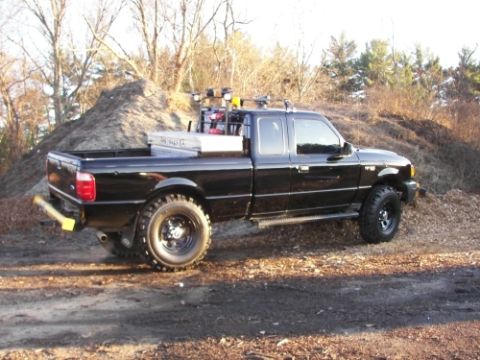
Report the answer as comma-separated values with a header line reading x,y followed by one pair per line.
x,y
288,105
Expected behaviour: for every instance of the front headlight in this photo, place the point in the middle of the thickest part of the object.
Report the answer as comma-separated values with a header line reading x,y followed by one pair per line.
x,y
412,171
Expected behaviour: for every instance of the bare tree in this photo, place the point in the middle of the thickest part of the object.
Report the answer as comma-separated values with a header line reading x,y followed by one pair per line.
x,y
180,24
229,24
150,22
83,58
187,26
305,75
9,114
51,21
21,107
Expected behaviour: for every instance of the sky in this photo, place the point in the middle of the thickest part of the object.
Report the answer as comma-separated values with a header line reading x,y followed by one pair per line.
x,y
443,26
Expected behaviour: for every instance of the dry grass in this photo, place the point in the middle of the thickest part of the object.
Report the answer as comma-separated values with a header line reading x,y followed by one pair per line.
x,y
406,104
463,119
179,102
18,213
466,122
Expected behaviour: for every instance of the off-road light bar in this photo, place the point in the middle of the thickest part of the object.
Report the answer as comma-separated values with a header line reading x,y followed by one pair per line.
x,y
196,97
227,94
210,92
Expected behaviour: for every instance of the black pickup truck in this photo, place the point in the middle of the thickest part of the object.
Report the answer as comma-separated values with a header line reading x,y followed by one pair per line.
x,y
289,167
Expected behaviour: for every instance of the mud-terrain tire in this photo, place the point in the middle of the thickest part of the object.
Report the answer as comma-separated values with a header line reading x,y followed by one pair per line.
x,y
174,233
380,215
115,246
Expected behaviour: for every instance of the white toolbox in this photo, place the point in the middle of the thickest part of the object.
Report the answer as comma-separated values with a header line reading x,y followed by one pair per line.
x,y
182,143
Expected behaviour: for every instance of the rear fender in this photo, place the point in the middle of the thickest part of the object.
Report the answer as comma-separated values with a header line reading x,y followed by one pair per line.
x,y
179,186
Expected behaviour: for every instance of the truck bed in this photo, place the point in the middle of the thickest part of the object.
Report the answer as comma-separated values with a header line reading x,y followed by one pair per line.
x,y
115,153
127,178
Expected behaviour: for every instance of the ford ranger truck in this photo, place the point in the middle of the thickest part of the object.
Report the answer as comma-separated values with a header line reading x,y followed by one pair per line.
x,y
270,166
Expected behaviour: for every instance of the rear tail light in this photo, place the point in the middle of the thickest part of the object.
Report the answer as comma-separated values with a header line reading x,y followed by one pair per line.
x,y
85,185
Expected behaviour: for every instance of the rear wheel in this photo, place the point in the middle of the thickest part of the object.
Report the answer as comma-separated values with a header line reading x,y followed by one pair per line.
x,y
174,233
380,215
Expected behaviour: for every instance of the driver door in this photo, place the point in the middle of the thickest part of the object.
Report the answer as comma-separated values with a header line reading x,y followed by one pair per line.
x,y
318,183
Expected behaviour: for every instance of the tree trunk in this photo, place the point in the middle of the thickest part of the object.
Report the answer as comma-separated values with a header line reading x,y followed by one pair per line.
x,y
178,77
179,72
57,85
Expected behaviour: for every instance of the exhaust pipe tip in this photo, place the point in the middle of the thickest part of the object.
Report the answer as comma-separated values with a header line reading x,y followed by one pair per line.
x,y
422,192
102,237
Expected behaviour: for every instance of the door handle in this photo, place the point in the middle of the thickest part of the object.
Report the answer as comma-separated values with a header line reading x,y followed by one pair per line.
x,y
303,169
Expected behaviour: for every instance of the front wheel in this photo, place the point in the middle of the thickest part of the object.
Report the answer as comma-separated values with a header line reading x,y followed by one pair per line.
x,y
174,233
380,215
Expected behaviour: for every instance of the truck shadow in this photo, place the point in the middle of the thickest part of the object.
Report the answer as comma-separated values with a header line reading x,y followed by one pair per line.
x,y
284,307
233,245
320,237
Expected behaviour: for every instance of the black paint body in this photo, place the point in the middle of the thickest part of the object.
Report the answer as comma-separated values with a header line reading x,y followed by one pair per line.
x,y
250,185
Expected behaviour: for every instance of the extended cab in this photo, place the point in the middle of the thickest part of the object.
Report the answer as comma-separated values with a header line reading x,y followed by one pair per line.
x,y
272,167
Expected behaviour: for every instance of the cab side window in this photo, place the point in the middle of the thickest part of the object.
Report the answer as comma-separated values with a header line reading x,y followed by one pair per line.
x,y
315,137
270,136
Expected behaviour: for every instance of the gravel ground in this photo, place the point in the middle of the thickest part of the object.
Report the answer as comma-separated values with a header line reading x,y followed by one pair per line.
x,y
314,291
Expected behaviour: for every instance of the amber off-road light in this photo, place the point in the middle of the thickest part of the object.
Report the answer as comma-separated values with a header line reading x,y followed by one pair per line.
x,y
412,171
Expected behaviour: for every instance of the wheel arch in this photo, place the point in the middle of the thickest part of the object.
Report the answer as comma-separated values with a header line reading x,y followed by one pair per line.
x,y
180,186
391,177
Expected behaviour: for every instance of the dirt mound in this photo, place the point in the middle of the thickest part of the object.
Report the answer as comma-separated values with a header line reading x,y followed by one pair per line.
x,y
121,118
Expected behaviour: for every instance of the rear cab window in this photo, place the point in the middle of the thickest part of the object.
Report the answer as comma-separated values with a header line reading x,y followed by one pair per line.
x,y
270,136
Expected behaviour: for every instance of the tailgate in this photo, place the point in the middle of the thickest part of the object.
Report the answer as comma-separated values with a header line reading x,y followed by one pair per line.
x,y
61,172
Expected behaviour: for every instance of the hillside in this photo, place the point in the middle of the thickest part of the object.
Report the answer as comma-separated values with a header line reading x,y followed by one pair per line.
x,y
122,117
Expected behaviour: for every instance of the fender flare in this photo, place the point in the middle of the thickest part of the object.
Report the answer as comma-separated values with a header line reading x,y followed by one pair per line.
x,y
179,185
388,171
173,182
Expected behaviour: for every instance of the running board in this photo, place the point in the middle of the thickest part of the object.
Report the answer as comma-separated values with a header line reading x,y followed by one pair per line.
x,y
303,219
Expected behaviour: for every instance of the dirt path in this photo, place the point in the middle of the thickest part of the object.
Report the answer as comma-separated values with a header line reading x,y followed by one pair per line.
x,y
314,291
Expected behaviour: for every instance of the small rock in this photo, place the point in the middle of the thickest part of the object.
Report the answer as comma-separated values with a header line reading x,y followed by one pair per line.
x,y
282,342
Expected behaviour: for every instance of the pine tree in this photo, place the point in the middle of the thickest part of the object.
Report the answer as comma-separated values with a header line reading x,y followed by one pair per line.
x,y
339,64
376,66
467,77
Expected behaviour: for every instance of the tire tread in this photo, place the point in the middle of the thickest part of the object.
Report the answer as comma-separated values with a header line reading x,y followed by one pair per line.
x,y
142,231
368,215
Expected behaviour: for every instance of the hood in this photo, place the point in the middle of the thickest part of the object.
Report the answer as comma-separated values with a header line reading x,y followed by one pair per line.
x,y
379,155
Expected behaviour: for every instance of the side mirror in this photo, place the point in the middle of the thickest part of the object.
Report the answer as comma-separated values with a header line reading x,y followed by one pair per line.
x,y
347,149
344,152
